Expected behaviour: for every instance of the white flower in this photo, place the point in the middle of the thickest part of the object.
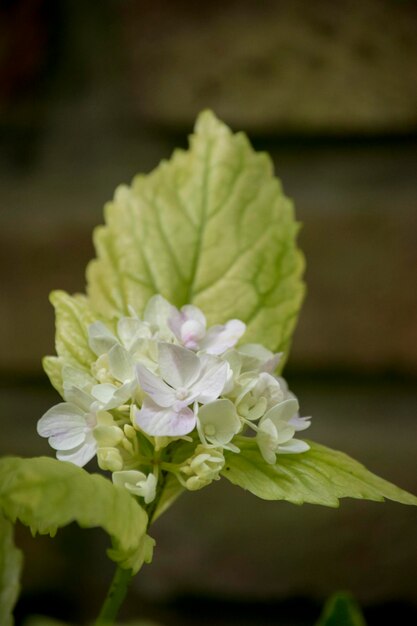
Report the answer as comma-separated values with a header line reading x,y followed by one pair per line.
x,y
69,427
122,369
137,483
185,378
275,432
189,326
218,423
258,393
157,315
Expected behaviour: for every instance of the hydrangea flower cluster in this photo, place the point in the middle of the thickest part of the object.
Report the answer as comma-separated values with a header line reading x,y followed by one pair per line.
x,y
167,381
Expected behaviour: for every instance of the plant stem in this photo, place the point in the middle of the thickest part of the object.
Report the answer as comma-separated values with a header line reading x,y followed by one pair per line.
x,y
115,597
122,577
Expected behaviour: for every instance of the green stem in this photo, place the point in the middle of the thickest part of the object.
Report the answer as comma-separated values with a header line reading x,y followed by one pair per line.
x,y
115,597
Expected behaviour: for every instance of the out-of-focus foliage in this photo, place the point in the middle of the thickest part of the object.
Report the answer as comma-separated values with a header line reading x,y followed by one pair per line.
x,y
10,567
341,610
46,494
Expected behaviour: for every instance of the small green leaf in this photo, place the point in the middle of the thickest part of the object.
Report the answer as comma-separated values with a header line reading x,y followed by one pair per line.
x,y
211,226
46,494
318,476
10,568
341,610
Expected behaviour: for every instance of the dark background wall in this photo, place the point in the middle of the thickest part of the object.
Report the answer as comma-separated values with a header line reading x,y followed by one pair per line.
x,y
92,93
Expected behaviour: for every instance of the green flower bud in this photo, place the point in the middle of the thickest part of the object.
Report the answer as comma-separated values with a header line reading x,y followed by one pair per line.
x,y
109,459
202,468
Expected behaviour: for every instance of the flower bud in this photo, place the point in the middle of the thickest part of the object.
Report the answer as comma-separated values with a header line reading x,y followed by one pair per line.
x,y
109,459
203,467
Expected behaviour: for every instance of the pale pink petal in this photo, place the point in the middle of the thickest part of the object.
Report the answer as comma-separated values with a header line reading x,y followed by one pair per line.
x,y
191,334
159,391
188,325
179,366
220,338
160,422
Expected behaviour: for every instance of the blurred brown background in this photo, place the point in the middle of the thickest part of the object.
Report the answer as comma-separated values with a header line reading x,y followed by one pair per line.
x,y
92,93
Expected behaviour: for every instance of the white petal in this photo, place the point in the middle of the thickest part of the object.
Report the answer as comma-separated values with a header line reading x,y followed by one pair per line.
x,y
64,425
131,477
295,446
120,364
80,455
192,312
157,313
212,380
104,393
220,338
267,440
300,423
249,383
73,377
110,397
285,432
283,411
164,422
100,338
151,384
179,367
219,421
257,357
79,398
146,488
175,321
130,329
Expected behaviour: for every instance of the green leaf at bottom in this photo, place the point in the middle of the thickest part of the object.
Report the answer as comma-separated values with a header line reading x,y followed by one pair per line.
x,y
10,566
341,610
46,494
318,476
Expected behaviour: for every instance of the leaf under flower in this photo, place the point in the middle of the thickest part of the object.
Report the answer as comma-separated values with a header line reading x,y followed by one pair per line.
x,y
318,476
46,494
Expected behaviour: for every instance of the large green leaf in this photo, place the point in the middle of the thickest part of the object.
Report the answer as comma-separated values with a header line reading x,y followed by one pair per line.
x,y
46,494
318,476
10,567
211,226
341,610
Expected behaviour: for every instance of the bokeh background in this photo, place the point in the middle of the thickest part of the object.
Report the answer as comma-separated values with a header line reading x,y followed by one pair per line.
x,y
92,93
